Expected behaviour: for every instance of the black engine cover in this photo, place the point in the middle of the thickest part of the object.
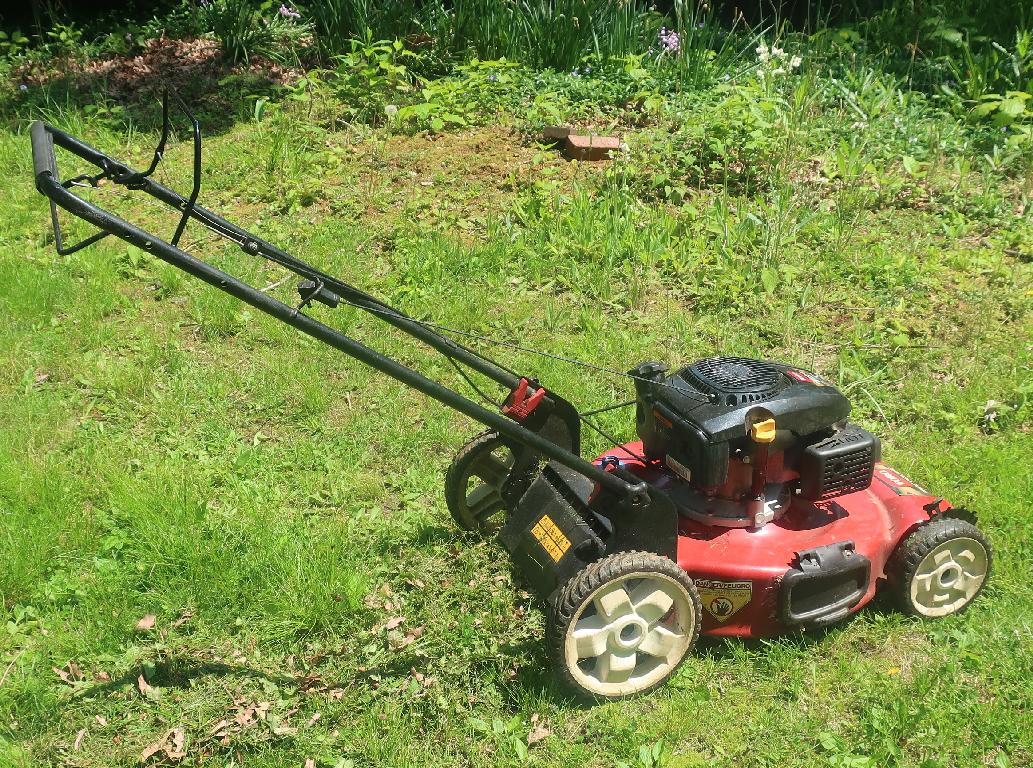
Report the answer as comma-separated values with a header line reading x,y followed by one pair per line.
x,y
697,415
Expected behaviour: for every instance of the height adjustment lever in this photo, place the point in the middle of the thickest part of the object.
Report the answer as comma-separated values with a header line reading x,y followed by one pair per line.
x,y
519,405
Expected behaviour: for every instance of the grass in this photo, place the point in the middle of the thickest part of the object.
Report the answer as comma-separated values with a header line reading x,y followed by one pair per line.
x,y
168,452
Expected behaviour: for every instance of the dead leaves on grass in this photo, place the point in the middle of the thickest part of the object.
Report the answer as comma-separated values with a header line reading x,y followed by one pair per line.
x,y
146,623
538,730
150,621
70,673
147,690
169,748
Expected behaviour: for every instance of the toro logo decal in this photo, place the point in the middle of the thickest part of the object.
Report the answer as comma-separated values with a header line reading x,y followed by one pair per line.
x,y
897,483
807,378
723,599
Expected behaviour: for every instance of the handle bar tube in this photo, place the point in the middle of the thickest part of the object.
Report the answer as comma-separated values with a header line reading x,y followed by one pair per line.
x,y
47,183
45,136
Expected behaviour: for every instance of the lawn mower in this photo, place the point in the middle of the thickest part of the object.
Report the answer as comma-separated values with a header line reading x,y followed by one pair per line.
x,y
749,505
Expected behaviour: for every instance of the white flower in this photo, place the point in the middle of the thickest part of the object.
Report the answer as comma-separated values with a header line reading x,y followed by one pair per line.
x,y
762,50
777,52
391,110
795,62
760,73
778,71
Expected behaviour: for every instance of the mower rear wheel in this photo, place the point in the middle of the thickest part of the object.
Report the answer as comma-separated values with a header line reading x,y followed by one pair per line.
x,y
940,568
623,625
473,483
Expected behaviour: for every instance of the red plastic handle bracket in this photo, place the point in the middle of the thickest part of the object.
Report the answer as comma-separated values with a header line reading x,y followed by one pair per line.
x,y
519,406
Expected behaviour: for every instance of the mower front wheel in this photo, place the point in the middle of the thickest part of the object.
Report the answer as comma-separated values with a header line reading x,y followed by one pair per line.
x,y
473,483
939,568
623,625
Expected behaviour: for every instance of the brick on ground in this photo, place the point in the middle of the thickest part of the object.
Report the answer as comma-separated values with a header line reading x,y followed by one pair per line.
x,y
580,147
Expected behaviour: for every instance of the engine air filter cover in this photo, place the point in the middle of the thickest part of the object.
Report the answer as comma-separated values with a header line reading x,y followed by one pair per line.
x,y
736,380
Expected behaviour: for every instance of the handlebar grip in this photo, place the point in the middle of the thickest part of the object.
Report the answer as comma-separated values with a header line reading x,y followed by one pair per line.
x,y
43,160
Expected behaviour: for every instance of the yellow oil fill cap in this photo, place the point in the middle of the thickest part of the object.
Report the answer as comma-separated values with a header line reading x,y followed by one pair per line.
x,y
763,431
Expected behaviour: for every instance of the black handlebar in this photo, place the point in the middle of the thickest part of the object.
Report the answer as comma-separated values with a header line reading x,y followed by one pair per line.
x,y
44,138
43,160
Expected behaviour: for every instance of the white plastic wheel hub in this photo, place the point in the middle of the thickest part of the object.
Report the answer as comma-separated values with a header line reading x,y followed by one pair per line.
x,y
948,577
629,634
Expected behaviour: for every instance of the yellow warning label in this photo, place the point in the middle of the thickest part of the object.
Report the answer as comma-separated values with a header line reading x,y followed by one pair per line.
x,y
722,599
551,538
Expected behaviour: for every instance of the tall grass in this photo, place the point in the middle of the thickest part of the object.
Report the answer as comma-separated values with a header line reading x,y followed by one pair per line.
x,y
539,33
553,33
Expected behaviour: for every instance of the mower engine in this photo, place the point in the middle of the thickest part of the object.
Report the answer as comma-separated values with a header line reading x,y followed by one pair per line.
x,y
747,435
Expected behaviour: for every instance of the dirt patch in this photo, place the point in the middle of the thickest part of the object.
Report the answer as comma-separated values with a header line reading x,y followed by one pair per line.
x,y
456,181
196,68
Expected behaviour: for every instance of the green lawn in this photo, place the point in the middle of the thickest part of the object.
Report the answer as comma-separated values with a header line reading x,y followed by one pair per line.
x,y
276,507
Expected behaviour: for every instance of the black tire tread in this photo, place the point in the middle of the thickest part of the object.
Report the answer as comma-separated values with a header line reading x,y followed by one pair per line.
x,y
456,477
587,581
916,545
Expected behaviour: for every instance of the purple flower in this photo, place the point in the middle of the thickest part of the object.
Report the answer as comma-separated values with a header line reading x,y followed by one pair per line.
x,y
670,40
289,13
23,87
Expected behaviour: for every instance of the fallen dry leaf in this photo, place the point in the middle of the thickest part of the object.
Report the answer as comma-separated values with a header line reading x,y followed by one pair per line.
x,y
69,673
171,744
183,619
143,686
101,720
310,763
245,717
78,740
538,733
393,622
146,623
178,742
314,719
410,637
